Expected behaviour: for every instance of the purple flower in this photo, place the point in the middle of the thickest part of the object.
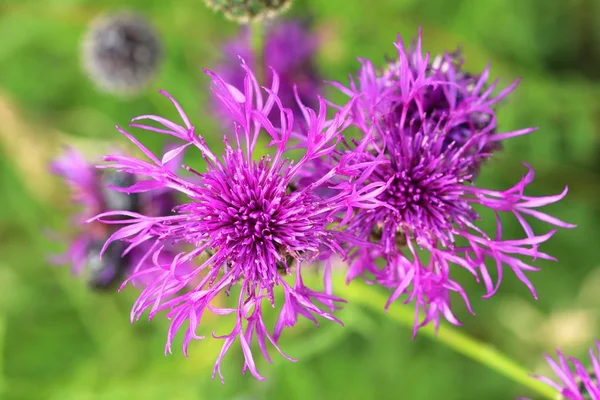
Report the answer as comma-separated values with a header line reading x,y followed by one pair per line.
x,y
575,382
91,190
243,215
426,227
290,49
414,87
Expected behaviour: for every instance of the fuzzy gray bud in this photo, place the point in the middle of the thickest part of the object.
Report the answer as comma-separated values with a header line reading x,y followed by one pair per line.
x,y
121,53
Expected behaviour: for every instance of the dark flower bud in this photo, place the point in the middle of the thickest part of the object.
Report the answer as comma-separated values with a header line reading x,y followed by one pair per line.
x,y
102,273
121,53
116,200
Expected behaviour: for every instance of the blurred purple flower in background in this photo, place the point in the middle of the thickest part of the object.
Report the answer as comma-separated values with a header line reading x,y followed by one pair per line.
x,y
245,217
92,191
575,381
290,49
427,127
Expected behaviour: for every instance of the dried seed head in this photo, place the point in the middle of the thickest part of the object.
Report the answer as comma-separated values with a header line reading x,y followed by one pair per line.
x,y
121,53
244,11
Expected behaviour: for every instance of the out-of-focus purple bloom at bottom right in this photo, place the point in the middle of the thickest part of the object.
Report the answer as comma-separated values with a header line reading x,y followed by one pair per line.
x,y
575,381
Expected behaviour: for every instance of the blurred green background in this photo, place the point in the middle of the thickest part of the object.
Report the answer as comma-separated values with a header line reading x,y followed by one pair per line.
x,y
58,340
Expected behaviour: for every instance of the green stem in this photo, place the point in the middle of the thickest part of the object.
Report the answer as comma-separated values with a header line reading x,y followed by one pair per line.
x,y
2,337
451,337
257,38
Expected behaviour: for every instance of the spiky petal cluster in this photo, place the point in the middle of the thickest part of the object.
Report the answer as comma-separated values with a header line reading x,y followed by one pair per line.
x,y
414,86
243,216
289,48
427,228
92,191
575,381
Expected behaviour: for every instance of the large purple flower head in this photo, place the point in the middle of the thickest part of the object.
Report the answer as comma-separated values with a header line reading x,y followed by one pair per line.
x,y
575,381
92,190
290,49
428,225
247,224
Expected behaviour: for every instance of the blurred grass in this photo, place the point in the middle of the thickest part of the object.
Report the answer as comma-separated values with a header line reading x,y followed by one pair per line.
x,y
59,341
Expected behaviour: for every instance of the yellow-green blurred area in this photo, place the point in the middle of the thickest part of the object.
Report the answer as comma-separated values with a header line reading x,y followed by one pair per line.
x,y
60,341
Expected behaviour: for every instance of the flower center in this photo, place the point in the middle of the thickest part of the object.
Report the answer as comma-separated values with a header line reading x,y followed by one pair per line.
x,y
253,222
407,193
426,202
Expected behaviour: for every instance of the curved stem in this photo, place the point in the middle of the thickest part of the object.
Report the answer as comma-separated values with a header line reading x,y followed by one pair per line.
x,y
453,338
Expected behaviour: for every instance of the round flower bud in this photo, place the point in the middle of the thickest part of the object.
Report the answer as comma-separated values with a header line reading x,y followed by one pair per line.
x,y
244,11
121,53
